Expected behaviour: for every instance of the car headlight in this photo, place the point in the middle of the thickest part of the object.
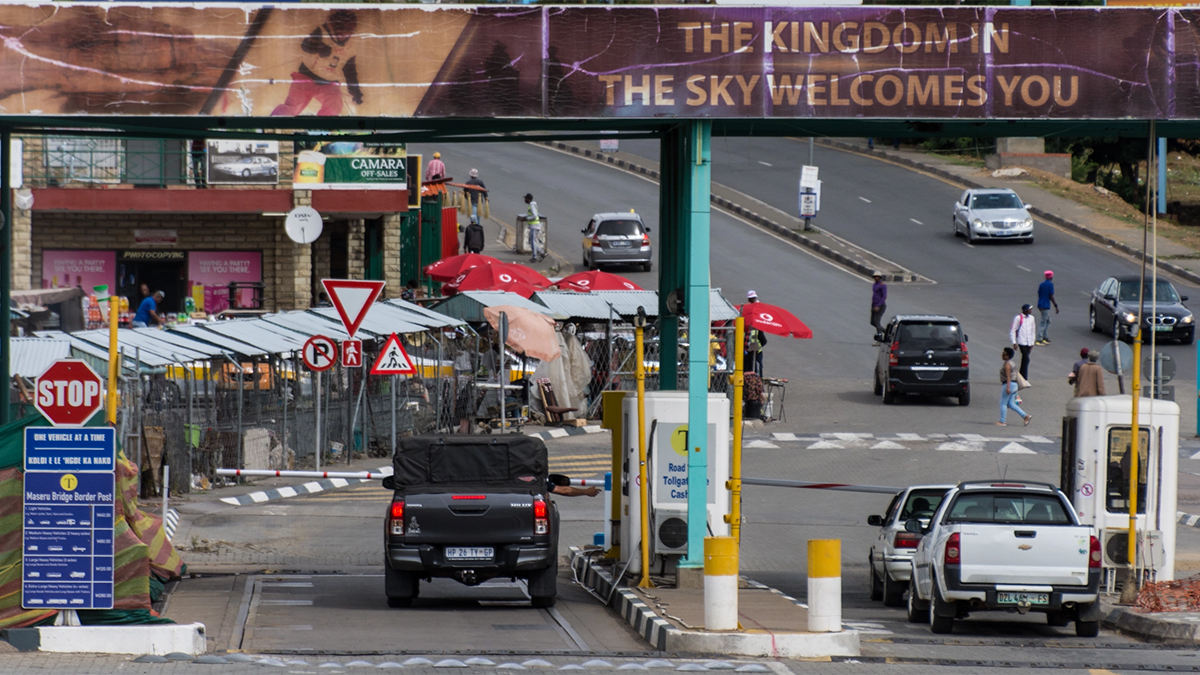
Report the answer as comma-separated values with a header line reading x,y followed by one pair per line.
x,y
1028,222
1186,319
977,223
1129,317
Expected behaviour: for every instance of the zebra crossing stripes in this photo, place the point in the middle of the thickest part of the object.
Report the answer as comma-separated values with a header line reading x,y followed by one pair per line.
x,y
1026,444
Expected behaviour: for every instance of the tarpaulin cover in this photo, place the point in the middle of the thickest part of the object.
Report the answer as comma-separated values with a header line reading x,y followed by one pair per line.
x,y
510,461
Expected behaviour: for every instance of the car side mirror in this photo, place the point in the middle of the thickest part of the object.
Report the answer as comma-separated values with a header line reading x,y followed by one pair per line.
x,y
879,337
647,229
877,521
1183,298
389,482
913,525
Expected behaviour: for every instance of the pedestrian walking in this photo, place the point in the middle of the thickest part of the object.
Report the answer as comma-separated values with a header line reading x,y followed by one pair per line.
x,y
533,221
1022,336
473,236
878,302
436,168
1045,300
755,341
1008,391
477,196
1083,358
1090,381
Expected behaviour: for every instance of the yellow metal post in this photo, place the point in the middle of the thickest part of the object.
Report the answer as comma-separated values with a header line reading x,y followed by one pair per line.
x,y
643,483
114,363
1133,450
612,418
735,476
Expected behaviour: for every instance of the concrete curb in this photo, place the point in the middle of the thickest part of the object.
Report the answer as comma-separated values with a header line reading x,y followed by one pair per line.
x,y
737,209
563,432
1158,627
1044,215
159,639
662,635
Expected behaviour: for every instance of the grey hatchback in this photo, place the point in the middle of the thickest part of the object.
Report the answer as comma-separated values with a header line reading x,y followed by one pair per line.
x,y
923,354
617,238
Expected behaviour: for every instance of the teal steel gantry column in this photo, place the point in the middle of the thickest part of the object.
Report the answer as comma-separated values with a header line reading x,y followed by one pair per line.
x,y
674,206
699,168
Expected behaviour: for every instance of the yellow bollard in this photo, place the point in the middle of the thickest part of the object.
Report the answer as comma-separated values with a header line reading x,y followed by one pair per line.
x,y
824,585
720,583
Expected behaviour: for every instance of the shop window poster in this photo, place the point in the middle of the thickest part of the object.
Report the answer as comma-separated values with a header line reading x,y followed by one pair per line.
x,y
209,274
242,162
79,268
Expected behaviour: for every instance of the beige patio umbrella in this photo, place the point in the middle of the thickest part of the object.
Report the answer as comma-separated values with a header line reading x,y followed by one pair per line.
x,y
528,332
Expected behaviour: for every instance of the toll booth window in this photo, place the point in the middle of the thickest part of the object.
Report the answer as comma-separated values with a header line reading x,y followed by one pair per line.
x,y
1120,441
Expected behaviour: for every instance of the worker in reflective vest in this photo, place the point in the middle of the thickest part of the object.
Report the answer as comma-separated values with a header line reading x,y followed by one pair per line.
x,y
533,221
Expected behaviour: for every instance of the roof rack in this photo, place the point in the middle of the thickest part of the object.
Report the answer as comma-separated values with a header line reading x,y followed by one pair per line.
x,y
1005,481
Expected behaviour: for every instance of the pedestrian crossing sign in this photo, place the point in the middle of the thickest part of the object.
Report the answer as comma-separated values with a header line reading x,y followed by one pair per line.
x,y
393,360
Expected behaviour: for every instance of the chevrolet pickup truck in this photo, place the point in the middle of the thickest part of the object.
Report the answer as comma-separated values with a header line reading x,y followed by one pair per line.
x,y
470,508
1011,546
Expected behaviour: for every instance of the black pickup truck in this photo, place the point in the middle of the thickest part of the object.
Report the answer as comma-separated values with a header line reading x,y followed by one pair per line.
x,y
470,508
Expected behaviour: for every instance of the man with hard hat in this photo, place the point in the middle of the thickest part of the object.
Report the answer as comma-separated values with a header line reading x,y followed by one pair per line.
x,y
436,168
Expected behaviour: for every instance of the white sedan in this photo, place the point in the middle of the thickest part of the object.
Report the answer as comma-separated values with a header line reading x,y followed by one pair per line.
x,y
992,214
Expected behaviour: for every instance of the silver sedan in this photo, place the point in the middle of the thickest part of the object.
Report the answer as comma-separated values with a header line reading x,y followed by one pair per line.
x,y
992,214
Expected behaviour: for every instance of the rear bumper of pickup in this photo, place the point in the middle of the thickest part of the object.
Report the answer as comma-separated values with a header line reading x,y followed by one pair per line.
x,y
983,596
509,560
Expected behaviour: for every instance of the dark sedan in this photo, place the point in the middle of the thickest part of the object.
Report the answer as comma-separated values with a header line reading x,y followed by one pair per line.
x,y
1115,308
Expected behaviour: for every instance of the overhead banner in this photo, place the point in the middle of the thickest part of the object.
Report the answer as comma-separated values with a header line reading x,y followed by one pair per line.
x,y
347,164
600,62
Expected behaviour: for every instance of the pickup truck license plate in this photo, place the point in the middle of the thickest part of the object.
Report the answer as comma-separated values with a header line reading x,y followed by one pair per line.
x,y
1019,598
469,553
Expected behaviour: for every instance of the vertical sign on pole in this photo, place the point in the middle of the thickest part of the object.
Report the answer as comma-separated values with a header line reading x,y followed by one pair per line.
x,y
67,521
808,196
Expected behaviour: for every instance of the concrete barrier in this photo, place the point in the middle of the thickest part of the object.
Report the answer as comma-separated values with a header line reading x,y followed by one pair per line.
x,y
160,639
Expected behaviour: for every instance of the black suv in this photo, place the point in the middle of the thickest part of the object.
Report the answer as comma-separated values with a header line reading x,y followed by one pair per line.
x,y
923,354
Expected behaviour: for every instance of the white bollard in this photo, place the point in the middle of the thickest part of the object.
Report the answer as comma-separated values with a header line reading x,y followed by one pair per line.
x,y
824,585
720,583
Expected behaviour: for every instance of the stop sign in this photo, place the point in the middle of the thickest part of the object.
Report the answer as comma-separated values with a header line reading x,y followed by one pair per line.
x,y
69,393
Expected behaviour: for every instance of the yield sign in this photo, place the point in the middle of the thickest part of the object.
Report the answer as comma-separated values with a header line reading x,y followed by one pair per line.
x,y
352,299
393,360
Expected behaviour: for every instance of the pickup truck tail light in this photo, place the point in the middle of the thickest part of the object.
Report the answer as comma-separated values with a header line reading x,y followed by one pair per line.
x,y
966,360
541,523
1095,559
953,555
396,519
894,355
906,540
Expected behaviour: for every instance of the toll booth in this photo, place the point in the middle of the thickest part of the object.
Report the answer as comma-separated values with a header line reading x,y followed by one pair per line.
x,y
666,468
1096,441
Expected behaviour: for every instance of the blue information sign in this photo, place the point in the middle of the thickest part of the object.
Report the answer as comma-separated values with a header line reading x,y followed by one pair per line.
x,y
70,506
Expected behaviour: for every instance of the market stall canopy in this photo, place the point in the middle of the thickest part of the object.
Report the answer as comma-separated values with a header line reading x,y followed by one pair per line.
x,y
774,320
530,333
493,278
31,356
45,296
447,269
469,305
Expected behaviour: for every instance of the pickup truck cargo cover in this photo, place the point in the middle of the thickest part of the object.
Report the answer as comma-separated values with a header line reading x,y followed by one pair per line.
x,y
510,461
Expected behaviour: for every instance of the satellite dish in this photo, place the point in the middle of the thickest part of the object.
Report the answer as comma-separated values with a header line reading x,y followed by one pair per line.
x,y
303,225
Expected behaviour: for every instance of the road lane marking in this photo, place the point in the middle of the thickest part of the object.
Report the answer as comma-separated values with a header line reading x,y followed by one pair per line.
x,y
765,163
916,221
1024,268
865,199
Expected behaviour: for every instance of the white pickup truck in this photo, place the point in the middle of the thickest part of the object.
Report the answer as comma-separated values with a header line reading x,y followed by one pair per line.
x,y
1011,546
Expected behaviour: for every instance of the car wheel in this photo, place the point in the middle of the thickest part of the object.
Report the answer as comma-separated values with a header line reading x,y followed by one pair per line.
x,y
970,235
954,222
875,584
646,267
893,592
1057,619
918,611
1087,629
273,171
942,625
878,385
964,399
1092,320
889,397
245,173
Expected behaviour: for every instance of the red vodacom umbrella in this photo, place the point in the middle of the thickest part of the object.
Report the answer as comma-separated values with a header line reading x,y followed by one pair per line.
x,y
597,281
527,274
774,320
447,269
490,278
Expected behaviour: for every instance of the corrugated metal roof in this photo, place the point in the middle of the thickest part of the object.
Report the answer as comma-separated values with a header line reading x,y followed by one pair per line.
x,y
84,348
581,305
153,351
424,315
227,343
31,356
627,302
381,320
309,325
171,338
273,339
469,305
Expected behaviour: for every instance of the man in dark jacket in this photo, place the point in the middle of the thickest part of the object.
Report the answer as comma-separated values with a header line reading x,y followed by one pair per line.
x,y
478,195
473,238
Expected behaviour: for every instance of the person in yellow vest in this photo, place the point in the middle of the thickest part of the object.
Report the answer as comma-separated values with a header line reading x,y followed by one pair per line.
x,y
533,221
